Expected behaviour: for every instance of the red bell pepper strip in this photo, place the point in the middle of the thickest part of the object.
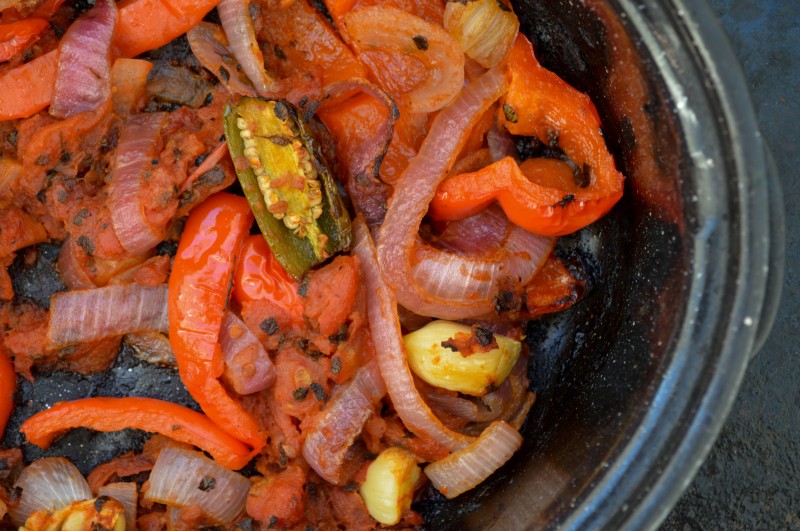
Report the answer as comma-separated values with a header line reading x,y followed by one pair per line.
x,y
260,276
143,25
8,385
16,36
198,292
538,197
148,414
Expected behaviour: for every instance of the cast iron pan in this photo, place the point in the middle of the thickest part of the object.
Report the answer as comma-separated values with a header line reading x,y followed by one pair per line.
x,y
594,367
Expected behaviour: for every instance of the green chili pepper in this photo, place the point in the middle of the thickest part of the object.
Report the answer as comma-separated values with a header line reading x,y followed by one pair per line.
x,y
287,182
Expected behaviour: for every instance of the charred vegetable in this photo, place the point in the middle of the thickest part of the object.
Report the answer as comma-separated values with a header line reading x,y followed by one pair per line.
x,y
287,183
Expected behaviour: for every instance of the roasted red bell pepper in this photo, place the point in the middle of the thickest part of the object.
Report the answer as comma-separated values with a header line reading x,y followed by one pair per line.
x,y
198,293
148,414
8,385
16,36
547,196
259,276
553,289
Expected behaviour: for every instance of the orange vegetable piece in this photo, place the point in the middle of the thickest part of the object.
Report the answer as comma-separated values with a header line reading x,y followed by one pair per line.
x,y
198,293
18,35
545,196
148,414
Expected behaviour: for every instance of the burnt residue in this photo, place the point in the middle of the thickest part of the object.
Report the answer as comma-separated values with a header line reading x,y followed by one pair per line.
x,y
128,377
40,281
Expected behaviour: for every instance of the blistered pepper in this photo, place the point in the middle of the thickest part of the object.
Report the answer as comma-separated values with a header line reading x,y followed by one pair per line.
x,y
287,182
547,196
198,292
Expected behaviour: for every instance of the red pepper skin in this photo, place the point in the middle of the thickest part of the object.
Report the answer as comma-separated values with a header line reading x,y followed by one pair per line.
x,y
148,414
198,293
16,36
543,197
259,276
8,386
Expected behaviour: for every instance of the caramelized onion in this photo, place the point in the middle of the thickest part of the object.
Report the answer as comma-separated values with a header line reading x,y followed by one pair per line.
x,y
386,29
210,45
83,78
72,272
334,432
474,276
87,315
48,484
390,348
183,478
138,146
235,18
399,246
469,467
248,368
485,29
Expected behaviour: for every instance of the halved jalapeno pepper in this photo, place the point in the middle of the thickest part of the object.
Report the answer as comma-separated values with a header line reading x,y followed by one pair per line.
x,y
287,183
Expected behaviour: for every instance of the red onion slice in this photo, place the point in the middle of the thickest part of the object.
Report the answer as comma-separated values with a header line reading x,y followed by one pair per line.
x,y
235,18
138,146
387,29
334,432
182,478
88,315
72,272
468,289
456,277
489,407
248,368
467,468
390,348
83,78
210,46
48,484
128,495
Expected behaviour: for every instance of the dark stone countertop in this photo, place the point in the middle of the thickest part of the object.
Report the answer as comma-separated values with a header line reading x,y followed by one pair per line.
x,y
751,478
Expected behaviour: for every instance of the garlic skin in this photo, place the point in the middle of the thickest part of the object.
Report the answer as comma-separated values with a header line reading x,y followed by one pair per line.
x,y
470,373
485,29
389,487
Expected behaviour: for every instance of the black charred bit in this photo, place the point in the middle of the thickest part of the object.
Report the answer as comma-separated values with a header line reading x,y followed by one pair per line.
x,y
421,42
207,484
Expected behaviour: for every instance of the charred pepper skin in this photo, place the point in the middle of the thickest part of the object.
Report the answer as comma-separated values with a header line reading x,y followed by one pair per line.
x,y
287,183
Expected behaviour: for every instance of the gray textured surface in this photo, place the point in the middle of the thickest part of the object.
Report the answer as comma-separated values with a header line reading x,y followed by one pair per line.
x,y
751,478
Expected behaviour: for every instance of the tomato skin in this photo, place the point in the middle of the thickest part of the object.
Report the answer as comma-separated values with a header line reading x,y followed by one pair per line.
x,y
18,35
259,276
198,293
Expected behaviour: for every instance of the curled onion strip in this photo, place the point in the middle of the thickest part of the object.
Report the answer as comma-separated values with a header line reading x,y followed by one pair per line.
x,y
48,484
454,276
88,315
210,46
128,495
488,408
182,478
463,294
235,18
326,445
390,348
367,30
138,146
469,467
247,365
83,79
73,274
